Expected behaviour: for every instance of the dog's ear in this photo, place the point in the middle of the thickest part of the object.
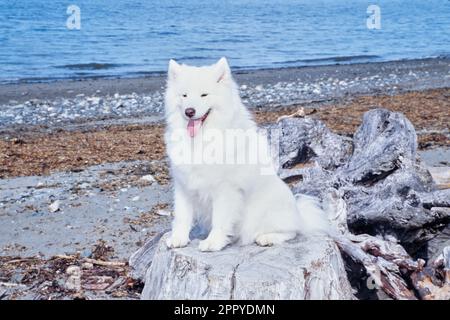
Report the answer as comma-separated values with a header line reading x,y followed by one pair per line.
x,y
174,69
223,70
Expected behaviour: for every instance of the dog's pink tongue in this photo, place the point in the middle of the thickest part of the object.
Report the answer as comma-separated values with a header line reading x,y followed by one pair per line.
x,y
193,126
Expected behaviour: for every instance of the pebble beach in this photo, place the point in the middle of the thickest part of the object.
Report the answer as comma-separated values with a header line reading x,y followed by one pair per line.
x,y
69,101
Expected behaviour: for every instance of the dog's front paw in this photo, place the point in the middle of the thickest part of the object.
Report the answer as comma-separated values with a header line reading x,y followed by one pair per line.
x,y
177,241
213,243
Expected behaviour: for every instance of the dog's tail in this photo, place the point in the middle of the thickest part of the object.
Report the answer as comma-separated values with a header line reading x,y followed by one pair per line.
x,y
313,219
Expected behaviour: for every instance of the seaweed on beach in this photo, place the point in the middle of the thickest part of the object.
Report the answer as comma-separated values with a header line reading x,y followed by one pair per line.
x,y
148,218
67,277
36,153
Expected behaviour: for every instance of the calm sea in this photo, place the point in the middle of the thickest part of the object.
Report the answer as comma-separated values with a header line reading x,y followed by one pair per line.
x,y
132,38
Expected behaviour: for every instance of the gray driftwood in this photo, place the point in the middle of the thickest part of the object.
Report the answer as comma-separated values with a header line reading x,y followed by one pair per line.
x,y
433,282
141,260
301,269
387,189
382,192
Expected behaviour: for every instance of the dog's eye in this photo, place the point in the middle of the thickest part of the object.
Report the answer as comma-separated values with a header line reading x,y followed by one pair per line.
x,y
204,95
184,95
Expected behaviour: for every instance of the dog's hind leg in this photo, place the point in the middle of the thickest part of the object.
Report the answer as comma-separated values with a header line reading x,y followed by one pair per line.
x,y
270,239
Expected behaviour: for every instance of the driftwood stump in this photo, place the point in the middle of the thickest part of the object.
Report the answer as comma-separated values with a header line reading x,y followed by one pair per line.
x,y
300,269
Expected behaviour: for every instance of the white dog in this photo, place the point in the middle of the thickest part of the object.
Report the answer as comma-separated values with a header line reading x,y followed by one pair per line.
x,y
237,200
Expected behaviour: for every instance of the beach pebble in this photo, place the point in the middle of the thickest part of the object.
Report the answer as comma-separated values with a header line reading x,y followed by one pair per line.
x,y
73,282
73,270
95,100
55,206
84,185
163,212
148,178
87,265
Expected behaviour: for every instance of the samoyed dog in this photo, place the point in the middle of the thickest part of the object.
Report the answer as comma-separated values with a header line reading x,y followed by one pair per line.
x,y
224,176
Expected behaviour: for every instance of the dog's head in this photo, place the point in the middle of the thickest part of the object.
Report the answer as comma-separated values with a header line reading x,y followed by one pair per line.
x,y
196,94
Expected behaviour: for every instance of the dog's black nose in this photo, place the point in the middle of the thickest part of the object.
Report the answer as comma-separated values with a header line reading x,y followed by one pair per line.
x,y
189,112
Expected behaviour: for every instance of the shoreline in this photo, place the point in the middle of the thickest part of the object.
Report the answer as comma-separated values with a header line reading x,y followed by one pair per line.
x,y
70,88
109,102
308,63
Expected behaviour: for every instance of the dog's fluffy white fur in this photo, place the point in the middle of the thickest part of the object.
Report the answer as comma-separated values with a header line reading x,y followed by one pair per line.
x,y
237,202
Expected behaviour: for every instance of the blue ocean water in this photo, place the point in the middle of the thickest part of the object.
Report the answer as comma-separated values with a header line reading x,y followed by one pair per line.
x,y
137,37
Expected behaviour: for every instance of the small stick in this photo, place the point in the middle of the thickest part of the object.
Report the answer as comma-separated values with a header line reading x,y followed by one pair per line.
x,y
62,256
106,263
120,281
10,284
21,260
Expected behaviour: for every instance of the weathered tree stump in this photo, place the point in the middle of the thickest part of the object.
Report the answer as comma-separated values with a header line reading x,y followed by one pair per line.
x,y
300,269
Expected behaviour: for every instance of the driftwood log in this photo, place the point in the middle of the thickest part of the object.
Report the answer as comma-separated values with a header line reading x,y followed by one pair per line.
x,y
379,195
387,189
392,224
